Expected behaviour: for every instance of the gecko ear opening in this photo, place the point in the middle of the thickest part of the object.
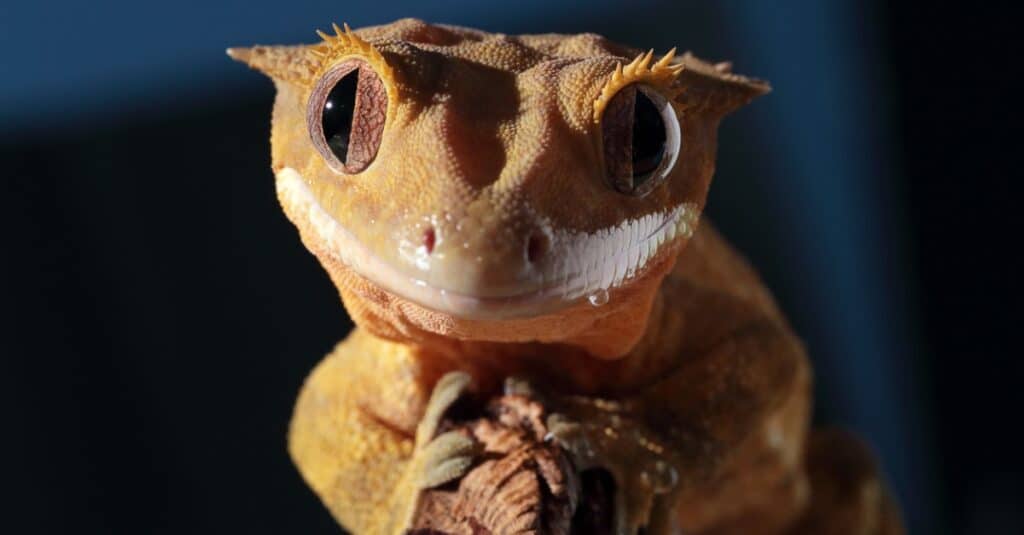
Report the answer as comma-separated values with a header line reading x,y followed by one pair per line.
x,y
285,63
714,87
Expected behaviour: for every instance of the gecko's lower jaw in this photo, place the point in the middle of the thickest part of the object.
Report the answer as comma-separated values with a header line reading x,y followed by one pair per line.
x,y
578,265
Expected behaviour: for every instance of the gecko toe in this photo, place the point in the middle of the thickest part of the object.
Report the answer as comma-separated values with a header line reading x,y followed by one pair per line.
x,y
572,438
447,457
447,390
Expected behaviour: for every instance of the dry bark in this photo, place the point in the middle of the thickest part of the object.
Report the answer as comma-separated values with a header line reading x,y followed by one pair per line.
x,y
525,484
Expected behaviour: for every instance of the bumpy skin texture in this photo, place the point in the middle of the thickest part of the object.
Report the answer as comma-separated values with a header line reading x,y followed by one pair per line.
x,y
490,140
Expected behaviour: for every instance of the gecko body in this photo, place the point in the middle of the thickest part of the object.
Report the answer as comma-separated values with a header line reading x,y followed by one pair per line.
x,y
494,206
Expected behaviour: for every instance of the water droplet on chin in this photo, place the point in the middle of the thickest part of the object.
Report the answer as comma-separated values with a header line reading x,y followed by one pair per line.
x,y
598,298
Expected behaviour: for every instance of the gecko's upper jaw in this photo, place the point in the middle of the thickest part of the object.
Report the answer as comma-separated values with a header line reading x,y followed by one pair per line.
x,y
526,273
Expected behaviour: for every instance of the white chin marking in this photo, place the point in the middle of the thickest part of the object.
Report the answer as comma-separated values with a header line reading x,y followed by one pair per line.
x,y
579,264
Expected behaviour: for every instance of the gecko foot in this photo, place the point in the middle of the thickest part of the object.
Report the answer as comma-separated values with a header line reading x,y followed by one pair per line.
x,y
445,458
436,460
448,456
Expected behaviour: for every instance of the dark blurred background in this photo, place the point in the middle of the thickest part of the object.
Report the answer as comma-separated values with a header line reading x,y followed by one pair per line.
x,y
159,313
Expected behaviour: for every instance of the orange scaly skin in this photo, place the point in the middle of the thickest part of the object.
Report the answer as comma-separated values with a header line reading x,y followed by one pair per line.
x,y
453,250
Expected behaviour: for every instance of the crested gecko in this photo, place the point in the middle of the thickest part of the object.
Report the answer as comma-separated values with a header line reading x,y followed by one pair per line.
x,y
494,206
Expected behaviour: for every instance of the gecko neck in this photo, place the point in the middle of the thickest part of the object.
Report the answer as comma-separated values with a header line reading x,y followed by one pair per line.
x,y
566,366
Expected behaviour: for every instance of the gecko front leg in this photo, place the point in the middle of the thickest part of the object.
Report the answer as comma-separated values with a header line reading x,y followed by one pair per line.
x,y
436,460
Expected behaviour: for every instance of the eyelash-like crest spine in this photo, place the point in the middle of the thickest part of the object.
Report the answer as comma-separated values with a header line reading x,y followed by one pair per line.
x,y
661,74
345,44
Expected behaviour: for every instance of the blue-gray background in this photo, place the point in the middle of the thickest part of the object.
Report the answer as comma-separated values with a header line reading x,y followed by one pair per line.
x,y
160,314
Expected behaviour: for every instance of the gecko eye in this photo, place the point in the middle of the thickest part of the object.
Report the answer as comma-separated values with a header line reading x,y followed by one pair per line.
x,y
641,139
346,116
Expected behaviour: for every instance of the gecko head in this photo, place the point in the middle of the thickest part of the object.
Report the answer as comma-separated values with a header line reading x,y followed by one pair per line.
x,y
490,187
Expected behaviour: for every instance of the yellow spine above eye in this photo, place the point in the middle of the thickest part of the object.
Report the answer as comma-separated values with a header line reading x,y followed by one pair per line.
x,y
345,43
660,75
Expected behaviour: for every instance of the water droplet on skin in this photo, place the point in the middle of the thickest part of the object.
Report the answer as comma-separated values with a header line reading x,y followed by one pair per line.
x,y
598,298
662,479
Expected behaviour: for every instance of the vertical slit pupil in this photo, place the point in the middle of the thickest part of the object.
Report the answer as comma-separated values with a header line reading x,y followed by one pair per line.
x,y
648,138
337,115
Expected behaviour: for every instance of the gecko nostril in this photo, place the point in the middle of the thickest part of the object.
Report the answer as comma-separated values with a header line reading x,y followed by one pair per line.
x,y
429,239
536,247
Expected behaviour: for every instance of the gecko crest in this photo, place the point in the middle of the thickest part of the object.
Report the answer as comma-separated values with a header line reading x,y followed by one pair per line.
x,y
345,44
661,74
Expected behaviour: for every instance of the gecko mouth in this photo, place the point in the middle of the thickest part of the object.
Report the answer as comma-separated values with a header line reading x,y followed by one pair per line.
x,y
585,265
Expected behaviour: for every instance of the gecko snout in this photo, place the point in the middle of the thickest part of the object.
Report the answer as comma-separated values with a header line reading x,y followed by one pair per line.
x,y
536,244
482,257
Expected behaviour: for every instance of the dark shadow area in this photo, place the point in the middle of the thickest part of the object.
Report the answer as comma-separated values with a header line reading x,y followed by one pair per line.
x,y
958,100
159,320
